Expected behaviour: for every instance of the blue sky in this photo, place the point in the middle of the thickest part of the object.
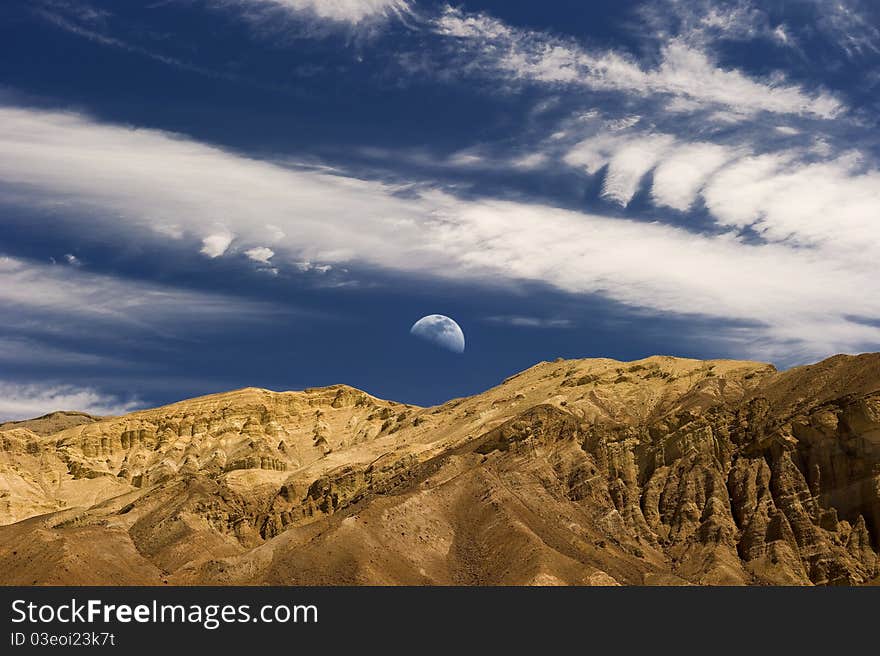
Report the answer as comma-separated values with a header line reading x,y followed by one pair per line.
x,y
200,195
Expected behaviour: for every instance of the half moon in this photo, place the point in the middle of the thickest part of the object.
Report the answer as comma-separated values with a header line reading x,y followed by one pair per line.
x,y
441,331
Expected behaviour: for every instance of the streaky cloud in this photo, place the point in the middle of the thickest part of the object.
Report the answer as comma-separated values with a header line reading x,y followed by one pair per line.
x,y
803,284
489,46
24,401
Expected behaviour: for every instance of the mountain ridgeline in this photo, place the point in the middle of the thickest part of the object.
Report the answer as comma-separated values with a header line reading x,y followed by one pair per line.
x,y
664,471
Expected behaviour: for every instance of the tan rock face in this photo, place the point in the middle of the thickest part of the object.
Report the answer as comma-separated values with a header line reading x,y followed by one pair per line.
x,y
586,472
51,423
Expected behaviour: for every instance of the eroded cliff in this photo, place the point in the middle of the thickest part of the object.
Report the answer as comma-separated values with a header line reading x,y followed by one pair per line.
x,y
661,471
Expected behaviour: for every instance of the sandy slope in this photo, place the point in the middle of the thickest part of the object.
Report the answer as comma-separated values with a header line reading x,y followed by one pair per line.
x,y
660,471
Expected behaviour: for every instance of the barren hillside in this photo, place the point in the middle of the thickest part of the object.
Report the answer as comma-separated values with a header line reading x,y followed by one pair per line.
x,y
660,471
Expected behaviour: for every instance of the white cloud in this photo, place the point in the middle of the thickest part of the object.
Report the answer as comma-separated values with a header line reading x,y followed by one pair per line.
x,y
81,25
27,401
832,204
341,11
42,299
216,245
530,322
592,153
157,179
684,71
702,22
529,161
682,173
782,35
689,73
616,125
806,284
65,322
651,265
72,260
307,266
848,24
467,159
274,233
787,196
681,168
171,231
629,164
22,350
260,254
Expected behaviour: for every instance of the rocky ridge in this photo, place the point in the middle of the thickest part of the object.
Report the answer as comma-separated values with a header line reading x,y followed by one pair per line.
x,y
659,471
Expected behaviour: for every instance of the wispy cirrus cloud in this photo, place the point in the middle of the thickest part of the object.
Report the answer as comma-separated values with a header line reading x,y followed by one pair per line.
x,y
279,21
60,324
78,18
48,301
83,21
25,401
802,290
791,195
520,321
681,168
344,11
851,25
489,46
628,161
17,350
847,25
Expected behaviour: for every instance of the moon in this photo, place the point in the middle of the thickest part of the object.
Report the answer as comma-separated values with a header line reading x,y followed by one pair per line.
x,y
441,331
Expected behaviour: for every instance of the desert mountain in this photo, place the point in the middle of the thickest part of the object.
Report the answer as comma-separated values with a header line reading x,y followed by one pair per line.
x,y
660,471
52,422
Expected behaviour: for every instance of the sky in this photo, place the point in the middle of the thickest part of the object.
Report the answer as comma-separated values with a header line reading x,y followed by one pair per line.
x,y
204,195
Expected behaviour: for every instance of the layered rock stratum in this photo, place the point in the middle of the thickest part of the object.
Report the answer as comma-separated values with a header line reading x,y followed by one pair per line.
x,y
663,471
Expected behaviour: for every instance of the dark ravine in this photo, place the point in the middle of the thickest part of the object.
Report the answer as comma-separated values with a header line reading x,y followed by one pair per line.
x,y
594,472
